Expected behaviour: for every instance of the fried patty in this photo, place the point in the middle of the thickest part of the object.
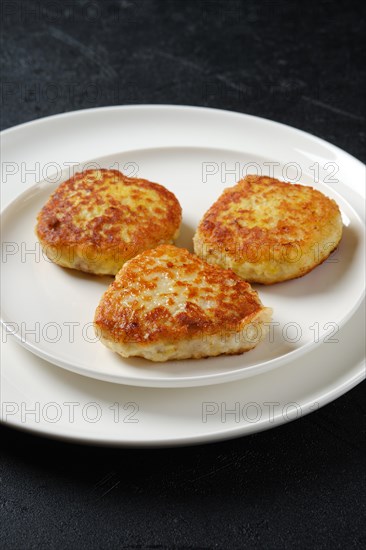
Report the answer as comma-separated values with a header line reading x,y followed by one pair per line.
x,y
268,231
168,304
99,219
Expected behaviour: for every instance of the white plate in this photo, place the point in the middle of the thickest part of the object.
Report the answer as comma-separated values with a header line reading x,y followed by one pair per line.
x,y
50,309
170,416
39,397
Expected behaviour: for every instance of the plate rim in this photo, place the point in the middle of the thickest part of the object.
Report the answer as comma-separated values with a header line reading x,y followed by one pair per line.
x,y
321,399
168,106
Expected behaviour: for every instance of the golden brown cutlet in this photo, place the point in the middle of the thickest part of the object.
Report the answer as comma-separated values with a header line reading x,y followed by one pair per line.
x,y
168,304
99,219
268,230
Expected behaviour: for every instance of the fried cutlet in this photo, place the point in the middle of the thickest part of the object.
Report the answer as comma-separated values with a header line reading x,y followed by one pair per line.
x,y
99,219
167,304
268,231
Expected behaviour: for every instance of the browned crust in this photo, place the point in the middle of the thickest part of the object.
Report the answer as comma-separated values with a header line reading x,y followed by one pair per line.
x,y
66,223
269,231
235,303
304,212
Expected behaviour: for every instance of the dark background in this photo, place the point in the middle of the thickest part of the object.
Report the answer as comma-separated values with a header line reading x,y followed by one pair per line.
x,y
302,63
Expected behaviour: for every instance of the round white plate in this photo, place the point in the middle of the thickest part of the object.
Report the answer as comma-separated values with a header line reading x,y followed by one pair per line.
x,y
195,153
35,151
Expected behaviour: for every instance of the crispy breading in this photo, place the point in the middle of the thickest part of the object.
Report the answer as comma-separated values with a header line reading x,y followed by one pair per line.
x,y
168,304
99,219
268,230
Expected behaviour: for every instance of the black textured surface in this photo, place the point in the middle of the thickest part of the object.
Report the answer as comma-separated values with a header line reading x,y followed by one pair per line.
x,y
298,486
